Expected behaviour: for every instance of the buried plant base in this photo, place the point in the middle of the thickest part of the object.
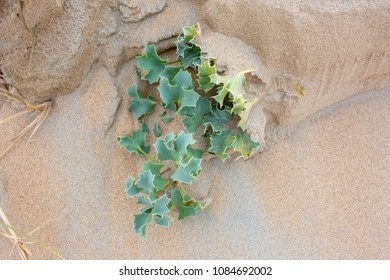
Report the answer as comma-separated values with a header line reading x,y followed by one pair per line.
x,y
213,105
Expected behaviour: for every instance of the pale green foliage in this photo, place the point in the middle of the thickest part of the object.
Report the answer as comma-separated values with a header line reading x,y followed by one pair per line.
x,y
151,64
216,103
234,88
139,106
135,143
179,91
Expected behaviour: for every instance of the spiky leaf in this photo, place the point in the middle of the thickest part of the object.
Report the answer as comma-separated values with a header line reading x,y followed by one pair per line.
x,y
218,120
164,148
167,120
139,106
173,147
190,32
135,143
206,70
245,113
187,170
180,91
189,53
220,142
145,127
131,188
189,56
146,182
193,117
159,183
244,145
170,72
156,130
186,205
235,85
140,222
162,221
160,206
151,64
154,168
142,200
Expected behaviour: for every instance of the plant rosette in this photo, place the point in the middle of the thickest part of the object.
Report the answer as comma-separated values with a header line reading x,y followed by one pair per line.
x,y
207,103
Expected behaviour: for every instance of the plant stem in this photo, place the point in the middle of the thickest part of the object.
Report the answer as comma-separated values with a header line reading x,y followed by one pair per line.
x,y
30,238
5,94
181,186
149,157
32,46
16,115
172,62
171,182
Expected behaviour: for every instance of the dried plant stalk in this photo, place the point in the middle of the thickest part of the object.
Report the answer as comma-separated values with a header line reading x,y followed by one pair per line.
x,y
20,239
43,109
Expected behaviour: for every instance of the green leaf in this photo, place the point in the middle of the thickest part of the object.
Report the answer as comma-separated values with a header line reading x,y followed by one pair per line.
x,y
151,64
194,116
189,53
206,70
180,91
154,193
145,127
222,93
156,130
196,153
159,183
162,221
244,145
131,188
139,106
154,168
181,143
167,120
146,182
171,106
189,56
170,72
187,171
234,85
245,113
160,206
135,143
220,142
192,124
142,200
173,147
133,91
140,222
187,207
218,120
164,148
190,32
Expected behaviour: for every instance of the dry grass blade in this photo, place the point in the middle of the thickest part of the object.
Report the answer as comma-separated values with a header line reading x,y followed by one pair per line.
x,y
43,110
19,239
10,234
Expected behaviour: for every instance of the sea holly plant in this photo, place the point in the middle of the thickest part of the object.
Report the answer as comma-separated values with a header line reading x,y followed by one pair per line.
x,y
207,103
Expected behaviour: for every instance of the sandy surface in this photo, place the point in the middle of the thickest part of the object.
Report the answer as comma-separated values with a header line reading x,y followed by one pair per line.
x,y
323,192
321,189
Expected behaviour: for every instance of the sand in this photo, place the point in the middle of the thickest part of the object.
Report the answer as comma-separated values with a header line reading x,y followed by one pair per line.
x,y
318,190
323,192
